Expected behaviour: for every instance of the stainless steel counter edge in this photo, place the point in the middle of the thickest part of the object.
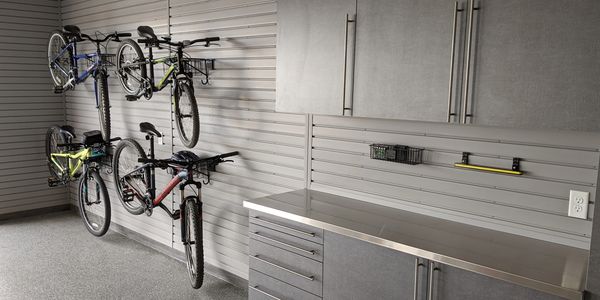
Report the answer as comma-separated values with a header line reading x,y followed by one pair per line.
x,y
520,280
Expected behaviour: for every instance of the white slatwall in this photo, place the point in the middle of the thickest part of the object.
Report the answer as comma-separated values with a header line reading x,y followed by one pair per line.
x,y
534,205
237,113
28,107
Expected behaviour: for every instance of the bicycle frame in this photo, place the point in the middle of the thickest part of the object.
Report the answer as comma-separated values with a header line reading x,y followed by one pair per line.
x,y
73,73
80,157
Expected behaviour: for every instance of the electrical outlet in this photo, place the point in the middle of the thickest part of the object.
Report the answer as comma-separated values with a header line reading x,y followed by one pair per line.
x,y
578,204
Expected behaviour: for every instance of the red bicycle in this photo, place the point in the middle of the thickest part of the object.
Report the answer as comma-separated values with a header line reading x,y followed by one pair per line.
x,y
134,177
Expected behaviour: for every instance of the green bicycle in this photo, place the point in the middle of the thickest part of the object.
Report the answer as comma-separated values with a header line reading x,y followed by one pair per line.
x,y
68,161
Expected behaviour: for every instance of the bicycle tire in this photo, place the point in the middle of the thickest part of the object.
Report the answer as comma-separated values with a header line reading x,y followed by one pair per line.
x,y
56,41
93,221
123,77
137,152
55,136
103,104
188,139
194,251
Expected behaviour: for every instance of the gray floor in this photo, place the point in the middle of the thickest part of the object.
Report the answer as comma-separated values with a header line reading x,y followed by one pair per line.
x,y
54,257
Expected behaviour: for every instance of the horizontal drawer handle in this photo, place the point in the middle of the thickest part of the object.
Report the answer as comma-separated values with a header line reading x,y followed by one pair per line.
x,y
256,288
311,252
311,278
286,227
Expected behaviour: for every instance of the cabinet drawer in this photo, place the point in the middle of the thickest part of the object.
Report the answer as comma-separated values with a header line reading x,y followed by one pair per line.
x,y
288,242
262,286
297,229
288,267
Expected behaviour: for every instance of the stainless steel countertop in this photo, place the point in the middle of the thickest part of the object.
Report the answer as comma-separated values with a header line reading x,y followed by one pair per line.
x,y
545,266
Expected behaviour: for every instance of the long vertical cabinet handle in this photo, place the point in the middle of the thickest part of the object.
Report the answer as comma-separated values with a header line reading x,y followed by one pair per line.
x,y
467,72
418,264
433,268
452,58
345,86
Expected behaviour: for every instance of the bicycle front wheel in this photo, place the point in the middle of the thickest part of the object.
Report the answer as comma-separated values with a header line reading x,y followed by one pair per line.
x,y
192,237
103,105
94,203
186,115
130,67
58,58
58,166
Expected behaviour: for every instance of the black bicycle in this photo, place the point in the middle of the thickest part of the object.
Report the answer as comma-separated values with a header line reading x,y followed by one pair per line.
x,y
63,60
134,179
133,69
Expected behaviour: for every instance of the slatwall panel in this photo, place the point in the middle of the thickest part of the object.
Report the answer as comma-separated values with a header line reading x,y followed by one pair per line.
x,y
237,113
97,17
534,205
28,107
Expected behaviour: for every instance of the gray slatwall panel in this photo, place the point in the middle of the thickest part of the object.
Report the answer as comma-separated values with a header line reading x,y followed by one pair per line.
x,y
534,204
108,16
237,113
27,105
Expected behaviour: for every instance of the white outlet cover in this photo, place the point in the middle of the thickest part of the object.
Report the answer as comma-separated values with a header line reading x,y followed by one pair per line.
x,y
578,204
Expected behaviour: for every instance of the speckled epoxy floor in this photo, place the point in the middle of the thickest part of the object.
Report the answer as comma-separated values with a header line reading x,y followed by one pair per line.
x,y
54,257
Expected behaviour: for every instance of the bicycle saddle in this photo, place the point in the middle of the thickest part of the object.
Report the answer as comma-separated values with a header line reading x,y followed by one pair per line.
x,y
147,32
148,128
72,29
92,137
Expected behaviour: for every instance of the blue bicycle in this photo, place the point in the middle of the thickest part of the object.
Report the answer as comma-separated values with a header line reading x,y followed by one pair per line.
x,y
63,61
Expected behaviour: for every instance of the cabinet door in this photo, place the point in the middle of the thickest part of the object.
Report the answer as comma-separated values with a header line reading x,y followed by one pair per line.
x,y
403,59
311,55
451,283
536,64
353,269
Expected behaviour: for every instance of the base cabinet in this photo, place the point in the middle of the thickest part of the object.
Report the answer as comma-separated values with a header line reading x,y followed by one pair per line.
x,y
353,269
451,283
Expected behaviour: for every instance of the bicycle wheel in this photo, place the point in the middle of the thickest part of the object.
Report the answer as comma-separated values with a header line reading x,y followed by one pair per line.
x,y
103,105
186,115
94,203
191,223
125,160
55,58
58,166
131,76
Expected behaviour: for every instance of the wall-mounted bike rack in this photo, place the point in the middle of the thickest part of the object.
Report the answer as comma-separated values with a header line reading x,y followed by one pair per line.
x,y
515,170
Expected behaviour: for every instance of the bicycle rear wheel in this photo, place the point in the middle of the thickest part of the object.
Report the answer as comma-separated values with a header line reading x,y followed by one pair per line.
x,y
58,166
186,115
94,203
56,58
191,222
125,160
103,105
131,76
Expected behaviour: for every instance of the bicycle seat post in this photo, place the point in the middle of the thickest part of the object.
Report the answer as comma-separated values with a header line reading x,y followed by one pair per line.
x,y
152,185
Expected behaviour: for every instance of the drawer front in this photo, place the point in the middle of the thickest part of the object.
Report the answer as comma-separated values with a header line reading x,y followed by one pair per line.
x,y
291,268
287,242
265,287
297,229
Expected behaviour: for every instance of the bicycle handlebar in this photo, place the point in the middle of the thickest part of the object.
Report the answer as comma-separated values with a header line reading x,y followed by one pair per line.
x,y
81,144
182,44
114,36
213,159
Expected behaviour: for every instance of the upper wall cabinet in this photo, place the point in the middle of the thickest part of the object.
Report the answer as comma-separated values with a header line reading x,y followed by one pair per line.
x,y
534,64
312,49
405,58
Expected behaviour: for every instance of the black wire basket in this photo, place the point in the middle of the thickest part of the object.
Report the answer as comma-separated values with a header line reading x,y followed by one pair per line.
x,y
397,153
106,60
199,67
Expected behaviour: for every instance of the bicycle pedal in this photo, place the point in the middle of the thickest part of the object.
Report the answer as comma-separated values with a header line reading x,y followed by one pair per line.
x,y
177,215
128,195
131,98
58,90
52,182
